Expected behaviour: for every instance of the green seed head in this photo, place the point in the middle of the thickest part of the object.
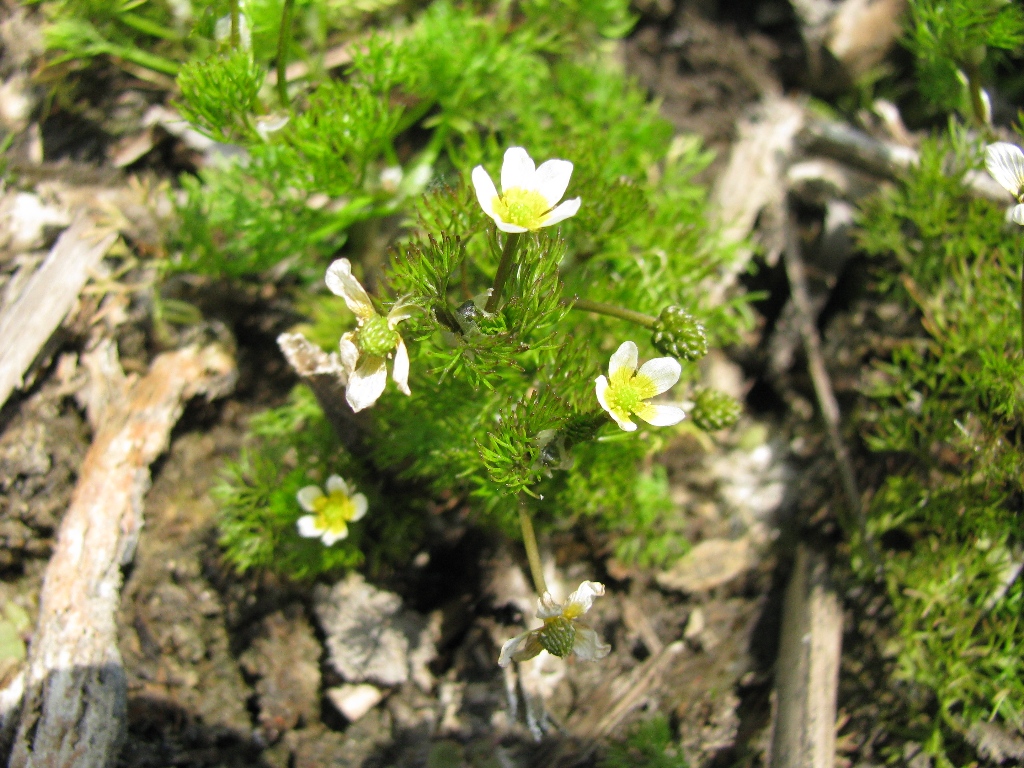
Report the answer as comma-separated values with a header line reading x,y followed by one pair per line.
x,y
581,428
557,636
680,334
715,410
376,338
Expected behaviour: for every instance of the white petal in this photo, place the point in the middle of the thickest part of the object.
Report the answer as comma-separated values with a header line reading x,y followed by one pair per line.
x,y
335,483
402,310
341,282
622,419
661,372
548,608
400,372
553,179
504,226
624,357
588,646
331,537
359,506
562,212
307,496
1017,214
307,527
485,191
660,415
518,170
1006,164
580,601
348,351
366,383
510,647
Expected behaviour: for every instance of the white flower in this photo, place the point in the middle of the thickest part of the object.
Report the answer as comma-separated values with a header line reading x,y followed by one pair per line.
x,y
1006,164
268,124
391,179
364,351
529,195
627,390
331,512
222,29
563,633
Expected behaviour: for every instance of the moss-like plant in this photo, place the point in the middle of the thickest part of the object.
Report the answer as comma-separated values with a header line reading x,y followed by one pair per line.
x,y
947,408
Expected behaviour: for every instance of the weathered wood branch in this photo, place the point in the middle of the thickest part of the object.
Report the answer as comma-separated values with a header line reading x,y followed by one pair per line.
x,y
326,376
51,292
807,670
73,713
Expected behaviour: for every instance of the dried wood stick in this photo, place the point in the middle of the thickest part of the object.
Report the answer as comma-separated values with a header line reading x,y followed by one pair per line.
x,y
807,671
816,366
51,292
610,705
886,159
73,712
326,376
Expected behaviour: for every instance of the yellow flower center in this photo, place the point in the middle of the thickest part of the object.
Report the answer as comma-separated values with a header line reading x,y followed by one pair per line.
x,y
333,512
525,208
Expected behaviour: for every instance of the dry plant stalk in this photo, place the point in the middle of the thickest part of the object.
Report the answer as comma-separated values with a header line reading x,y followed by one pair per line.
x,y
807,676
73,713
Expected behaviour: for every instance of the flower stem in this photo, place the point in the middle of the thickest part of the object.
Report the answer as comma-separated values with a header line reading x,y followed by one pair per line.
x,y
981,115
532,552
236,36
584,305
508,257
283,36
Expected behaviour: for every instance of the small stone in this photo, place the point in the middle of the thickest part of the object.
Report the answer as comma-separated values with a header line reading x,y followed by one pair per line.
x,y
710,564
694,624
371,637
354,701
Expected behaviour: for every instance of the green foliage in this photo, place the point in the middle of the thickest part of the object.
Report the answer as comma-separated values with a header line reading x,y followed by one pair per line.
x,y
503,403
291,447
648,745
947,407
951,40
144,32
220,95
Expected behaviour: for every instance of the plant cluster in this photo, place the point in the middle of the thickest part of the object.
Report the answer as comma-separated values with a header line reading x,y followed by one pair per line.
x,y
947,409
957,45
510,286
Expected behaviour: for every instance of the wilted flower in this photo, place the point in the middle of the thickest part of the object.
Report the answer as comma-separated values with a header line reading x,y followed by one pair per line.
x,y
330,513
1006,164
563,633
365,350
627,390
529,195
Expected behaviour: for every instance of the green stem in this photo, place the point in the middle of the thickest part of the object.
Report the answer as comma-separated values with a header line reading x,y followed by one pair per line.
x,y
236,35
508,257
584,305
1022,306
532,552
283,36
981,115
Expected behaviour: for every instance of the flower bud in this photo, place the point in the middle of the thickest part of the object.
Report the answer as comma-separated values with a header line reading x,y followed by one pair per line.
x,y
714,410
679,334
